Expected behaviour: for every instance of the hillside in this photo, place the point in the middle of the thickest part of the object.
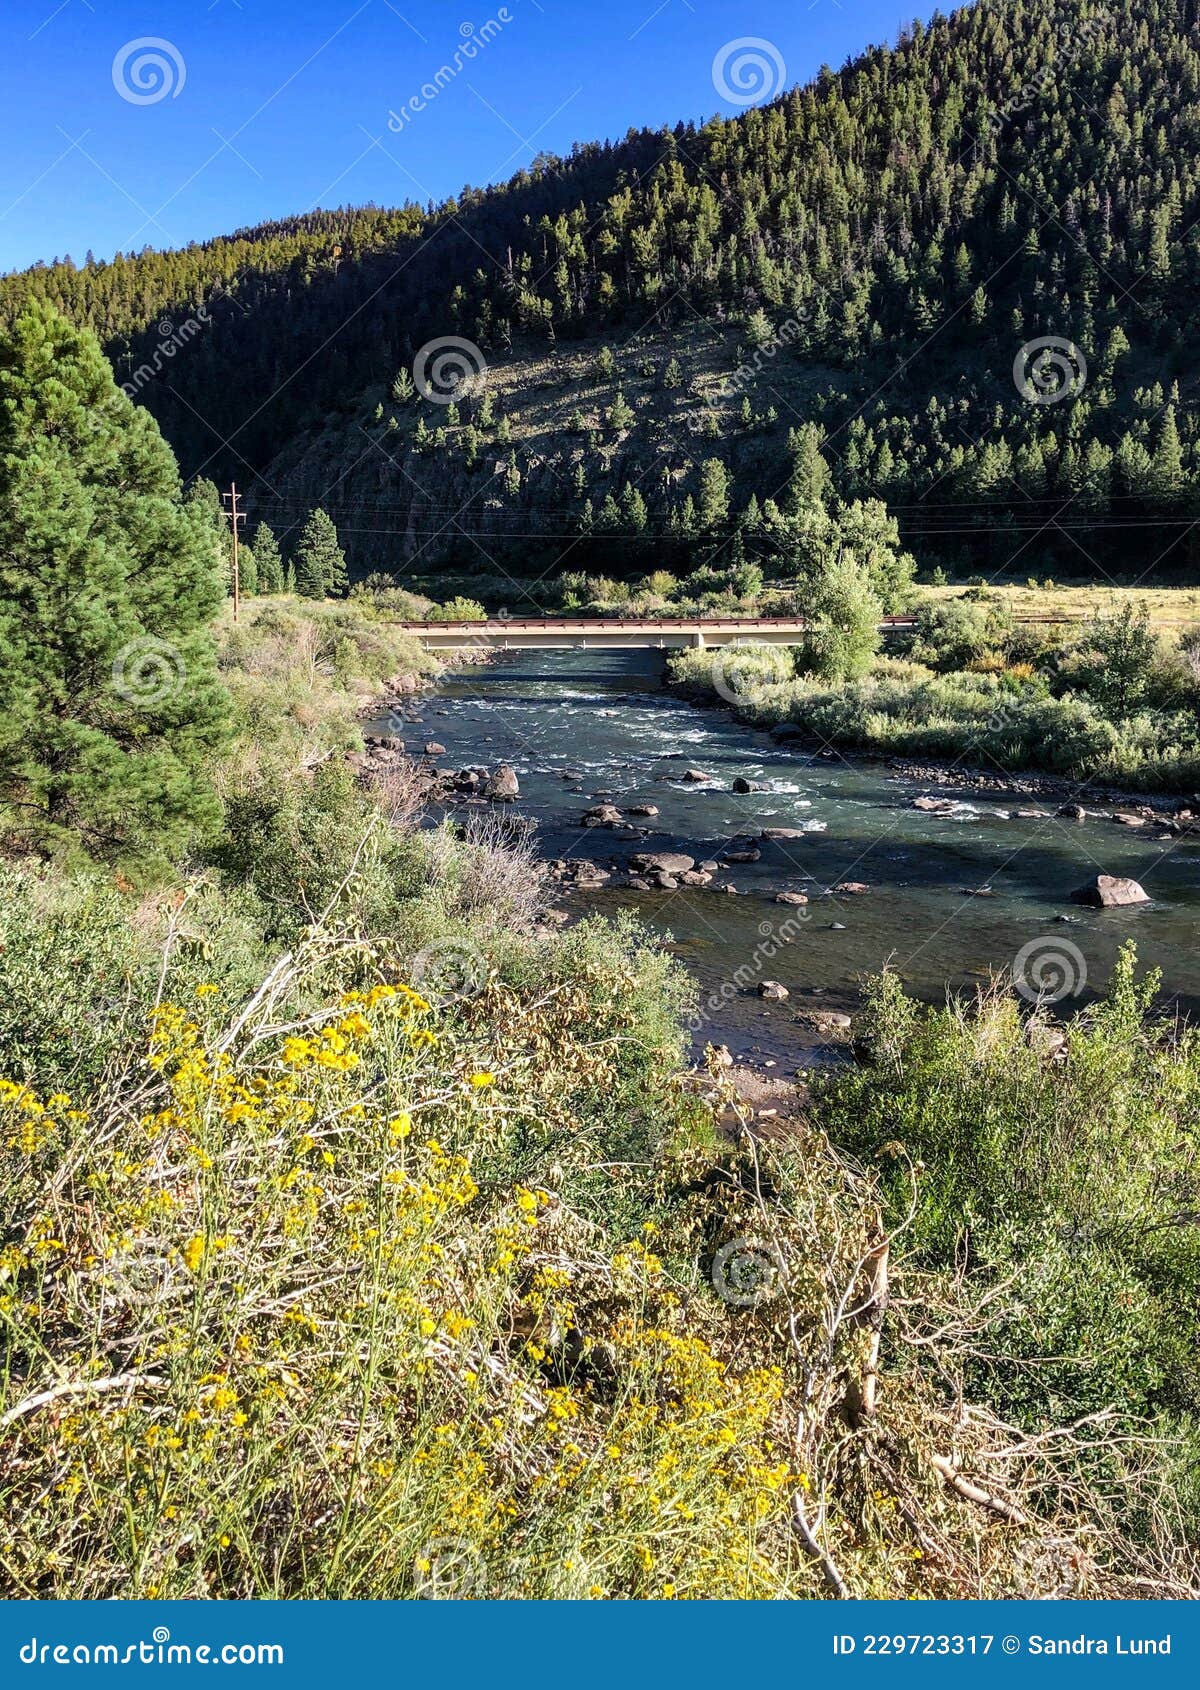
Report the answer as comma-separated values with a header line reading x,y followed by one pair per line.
x,y
874,253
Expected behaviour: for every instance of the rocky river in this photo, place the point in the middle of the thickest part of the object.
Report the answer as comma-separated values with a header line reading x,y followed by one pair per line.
x,y
810,870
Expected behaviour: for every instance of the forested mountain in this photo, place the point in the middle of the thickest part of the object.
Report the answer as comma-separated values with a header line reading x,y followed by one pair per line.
x,y
665,319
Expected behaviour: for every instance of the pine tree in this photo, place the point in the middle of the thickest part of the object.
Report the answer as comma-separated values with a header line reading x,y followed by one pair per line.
x,y
810,473
320,565
247,571
204,501
633,510
269,561
620,412
1166,474
109,698
714,493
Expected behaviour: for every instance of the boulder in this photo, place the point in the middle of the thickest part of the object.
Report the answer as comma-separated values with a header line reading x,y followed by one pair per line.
x,y
1073,812
827,1020
1110,891
938,806
642,810
694,877
791,897
580,871
1128,819
782,833
772,989
694,775
602,815
503,786
742,856
433,749
851,888
741,784
661,862
1031,815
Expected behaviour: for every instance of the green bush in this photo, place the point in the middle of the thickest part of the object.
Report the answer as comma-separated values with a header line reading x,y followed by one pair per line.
x,y
1063,1184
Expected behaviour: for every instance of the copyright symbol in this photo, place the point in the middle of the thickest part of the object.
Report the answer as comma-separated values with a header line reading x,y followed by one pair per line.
x,y
1011,1645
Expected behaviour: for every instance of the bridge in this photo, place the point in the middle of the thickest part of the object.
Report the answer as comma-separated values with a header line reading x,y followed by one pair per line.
x,y
611,633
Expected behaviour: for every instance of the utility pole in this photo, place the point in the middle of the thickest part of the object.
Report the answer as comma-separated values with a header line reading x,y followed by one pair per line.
x,y
235,516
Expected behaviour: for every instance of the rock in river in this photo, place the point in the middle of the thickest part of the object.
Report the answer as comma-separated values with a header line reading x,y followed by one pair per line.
x,y
1110,891
771,989
661,862
503,785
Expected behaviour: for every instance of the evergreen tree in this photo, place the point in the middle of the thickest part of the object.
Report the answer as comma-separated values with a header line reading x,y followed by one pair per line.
x,y
620,412
109,698
204,500
810,480
714,493
269,560
247,571
320,565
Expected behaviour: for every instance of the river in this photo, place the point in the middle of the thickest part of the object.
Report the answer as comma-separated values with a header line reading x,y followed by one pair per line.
x,y
605,717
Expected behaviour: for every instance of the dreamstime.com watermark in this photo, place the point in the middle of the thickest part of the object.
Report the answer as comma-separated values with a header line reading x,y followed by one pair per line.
x,y
148,671
773,936
1049,969
474,40
748,71
148,70
172,338
447,369
751,368
748,1271
1049,369
155,1651
449,970
1074,34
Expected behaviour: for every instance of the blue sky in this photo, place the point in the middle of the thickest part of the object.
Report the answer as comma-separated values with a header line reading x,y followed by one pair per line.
x,y
230,112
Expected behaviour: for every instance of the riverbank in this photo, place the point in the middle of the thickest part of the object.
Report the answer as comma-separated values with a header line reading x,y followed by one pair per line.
x,y
1125,720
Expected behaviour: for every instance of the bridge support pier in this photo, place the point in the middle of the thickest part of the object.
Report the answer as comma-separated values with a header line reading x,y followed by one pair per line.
x,y
698,641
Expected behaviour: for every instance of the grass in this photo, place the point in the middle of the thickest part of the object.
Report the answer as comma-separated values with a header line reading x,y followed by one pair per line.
x,y
1116,702
1170,608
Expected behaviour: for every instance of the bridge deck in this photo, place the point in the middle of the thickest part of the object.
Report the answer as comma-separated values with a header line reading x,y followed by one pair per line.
x,y
615,633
